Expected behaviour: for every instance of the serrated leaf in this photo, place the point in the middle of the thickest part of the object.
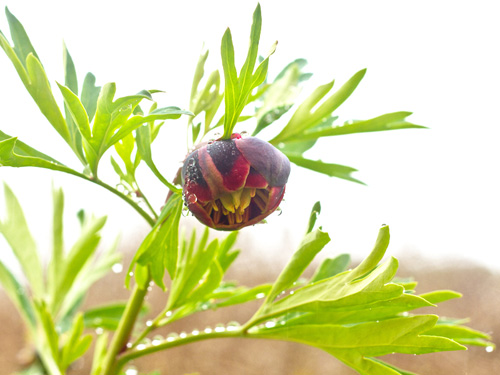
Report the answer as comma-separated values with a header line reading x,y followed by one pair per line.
x,y
14,153
239,88
241,295
307,116
389,121
332,170
159,249
401,335
77,111
18,295
315,211
15,230
89,95
57,258
331,267
106,316
89,274
22,43
311,245
461,334
77,258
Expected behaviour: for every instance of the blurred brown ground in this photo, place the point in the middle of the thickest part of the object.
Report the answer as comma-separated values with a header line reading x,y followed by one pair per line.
x,y
480,302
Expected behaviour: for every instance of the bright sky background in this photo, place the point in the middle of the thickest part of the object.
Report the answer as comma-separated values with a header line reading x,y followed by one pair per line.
x,y
438,189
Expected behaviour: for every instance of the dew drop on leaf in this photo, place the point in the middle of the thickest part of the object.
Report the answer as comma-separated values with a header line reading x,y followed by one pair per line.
x,y
489,349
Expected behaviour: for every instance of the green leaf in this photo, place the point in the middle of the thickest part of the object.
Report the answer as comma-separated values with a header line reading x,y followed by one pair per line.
x,y
90,94
70,79
280,96
106,316
311,245
22,43
332,170
17,294
144,140
89,274
100,350
240,295
159,248
438,296
113,121
316,210
331,267
374,311
15,230
310,114
76,259
401,335
75,345
461,334
389,121
77,111
47,341
238,89
42,94
57,259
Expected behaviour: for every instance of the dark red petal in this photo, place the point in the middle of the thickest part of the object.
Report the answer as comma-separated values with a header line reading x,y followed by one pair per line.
x,y
230,164
275,196
255,180
199,212
193,178
271,163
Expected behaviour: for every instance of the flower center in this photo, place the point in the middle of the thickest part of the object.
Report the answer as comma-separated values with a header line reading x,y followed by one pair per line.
x,y
238,206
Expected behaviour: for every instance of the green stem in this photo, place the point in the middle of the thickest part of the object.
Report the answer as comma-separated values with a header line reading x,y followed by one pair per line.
x,y
126,198
164,345
122,334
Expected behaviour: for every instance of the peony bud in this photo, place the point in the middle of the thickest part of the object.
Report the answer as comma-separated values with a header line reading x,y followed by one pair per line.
x,y
231,183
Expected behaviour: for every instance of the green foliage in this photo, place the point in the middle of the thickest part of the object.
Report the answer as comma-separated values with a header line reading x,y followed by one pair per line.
x,y
238,88
49,303
354,314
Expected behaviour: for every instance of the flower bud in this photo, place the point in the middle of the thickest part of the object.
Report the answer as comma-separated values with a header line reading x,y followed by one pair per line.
x,y
232,183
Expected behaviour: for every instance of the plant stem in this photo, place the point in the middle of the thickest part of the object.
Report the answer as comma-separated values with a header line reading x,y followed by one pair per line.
x,y
130,355
126,198
122,334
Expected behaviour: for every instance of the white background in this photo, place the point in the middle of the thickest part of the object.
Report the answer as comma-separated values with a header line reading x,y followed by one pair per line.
x,y
438,189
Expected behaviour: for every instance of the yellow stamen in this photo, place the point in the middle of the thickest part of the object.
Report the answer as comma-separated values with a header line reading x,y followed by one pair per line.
x,y
252,192
239,219
227,202
237,197
214,205
230,218
246,198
